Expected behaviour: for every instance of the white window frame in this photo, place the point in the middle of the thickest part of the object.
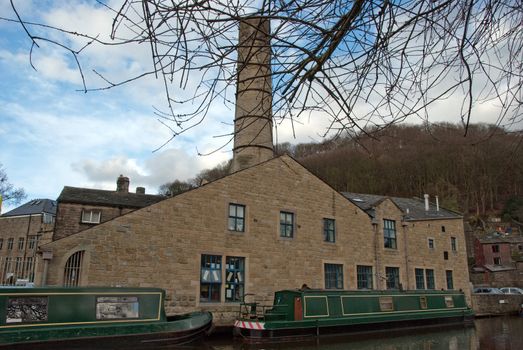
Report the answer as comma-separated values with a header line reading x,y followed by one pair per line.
x,y
90,219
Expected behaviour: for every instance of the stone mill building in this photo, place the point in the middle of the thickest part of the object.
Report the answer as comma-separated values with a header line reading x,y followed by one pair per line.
x,y
269,225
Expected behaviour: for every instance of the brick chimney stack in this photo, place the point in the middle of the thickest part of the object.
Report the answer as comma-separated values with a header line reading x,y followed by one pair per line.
x,y
253,118
122,184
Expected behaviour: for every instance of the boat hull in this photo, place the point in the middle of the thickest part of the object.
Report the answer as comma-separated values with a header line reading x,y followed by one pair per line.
x,y
253,333
188,328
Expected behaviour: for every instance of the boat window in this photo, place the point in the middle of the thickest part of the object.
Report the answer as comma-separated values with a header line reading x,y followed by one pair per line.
x,y
386,304
119,307
449,302
423,302
26,309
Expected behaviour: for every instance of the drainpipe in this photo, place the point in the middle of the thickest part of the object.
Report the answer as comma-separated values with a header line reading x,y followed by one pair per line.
x,y
46,256
376,252
407,272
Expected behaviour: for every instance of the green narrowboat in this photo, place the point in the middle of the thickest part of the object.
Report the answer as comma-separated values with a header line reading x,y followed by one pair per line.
x,y
302,313
111,317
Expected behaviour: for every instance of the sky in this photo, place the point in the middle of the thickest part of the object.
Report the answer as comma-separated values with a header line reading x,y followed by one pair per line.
x,y
52,134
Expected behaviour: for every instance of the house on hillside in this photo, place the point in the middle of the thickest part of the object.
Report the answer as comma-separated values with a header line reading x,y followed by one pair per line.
x,y
270,224
498,259
22,230
81,208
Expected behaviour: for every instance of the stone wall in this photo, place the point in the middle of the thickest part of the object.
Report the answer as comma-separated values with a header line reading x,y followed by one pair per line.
x,y
161,245
498,279
69,217
496,304
17,227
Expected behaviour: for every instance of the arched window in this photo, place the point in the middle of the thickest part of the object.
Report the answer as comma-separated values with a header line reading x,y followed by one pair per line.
x,y
73,269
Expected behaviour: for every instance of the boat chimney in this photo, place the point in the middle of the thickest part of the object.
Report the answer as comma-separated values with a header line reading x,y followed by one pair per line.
x,y
426,202
253,117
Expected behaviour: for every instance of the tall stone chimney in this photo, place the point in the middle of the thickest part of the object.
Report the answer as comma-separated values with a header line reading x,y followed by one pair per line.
x,y
122,184
253,118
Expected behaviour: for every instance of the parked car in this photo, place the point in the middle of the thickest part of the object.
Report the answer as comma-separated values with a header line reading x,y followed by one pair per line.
x,y
511,290
486,290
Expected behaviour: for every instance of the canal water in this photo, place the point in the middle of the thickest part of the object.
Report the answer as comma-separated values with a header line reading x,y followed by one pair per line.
x,y
496,333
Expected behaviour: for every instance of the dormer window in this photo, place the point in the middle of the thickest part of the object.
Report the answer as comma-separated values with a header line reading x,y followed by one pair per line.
x,y
91,216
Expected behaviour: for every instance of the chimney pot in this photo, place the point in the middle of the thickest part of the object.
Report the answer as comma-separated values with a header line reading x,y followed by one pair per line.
x,y
437,203
140,190
122,184
426,202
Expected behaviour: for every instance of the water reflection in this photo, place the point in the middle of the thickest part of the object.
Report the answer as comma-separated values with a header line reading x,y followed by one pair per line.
x,y
500,333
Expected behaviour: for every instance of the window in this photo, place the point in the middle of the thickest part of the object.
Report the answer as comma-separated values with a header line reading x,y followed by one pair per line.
x,y
47,218
333,276
453,244
73,269
211,278
10,242
30,269
286,224
26,309
91,216
431,243
442,228
33,242
446,255
21,243
117,307
389,233
1,243
237,217
495,248
420,279
423,302
235,279
364,276
450,282
449,302
386,304
497,261
329,230
393,277
429,273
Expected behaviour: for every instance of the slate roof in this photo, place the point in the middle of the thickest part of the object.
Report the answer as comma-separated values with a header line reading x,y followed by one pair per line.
x,y
89,196
413,208
496,237
35,206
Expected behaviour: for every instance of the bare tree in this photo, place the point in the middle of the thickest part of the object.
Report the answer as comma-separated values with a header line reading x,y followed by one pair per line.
x,y
8,192
359,63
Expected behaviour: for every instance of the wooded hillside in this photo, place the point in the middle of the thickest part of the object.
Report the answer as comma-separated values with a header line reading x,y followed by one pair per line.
x,y
475,174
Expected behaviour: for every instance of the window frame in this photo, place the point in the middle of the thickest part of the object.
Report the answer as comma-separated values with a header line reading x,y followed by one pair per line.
x,y
21,243
285,225
329,233
450,281
1,243
454,244
396,274
214,265
419,277
237,280
430,279
390,234
333,276
10,243
431,243
90,220
495,248
364,277
236,219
